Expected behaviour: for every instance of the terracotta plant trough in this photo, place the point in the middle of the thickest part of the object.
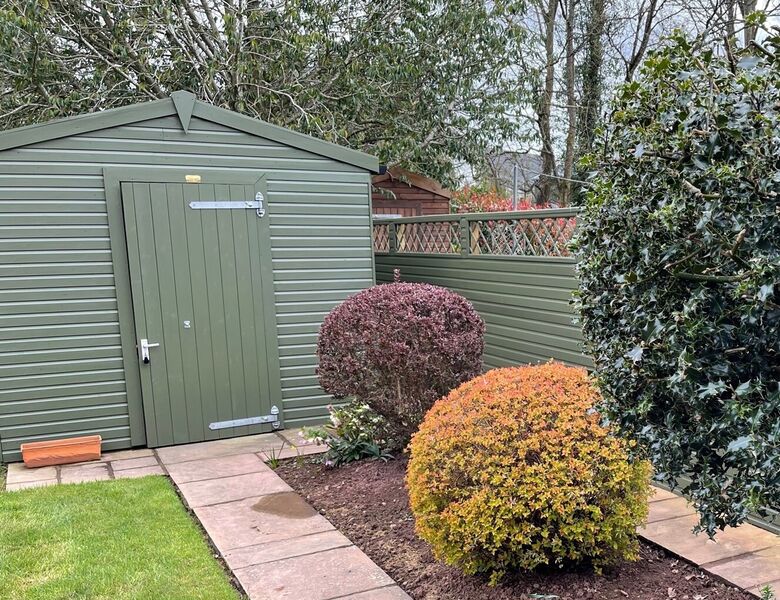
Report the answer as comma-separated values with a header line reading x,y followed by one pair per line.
x,y
61,452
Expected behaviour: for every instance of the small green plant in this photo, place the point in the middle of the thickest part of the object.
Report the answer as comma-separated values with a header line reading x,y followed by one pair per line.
x,y
767,593
354,432
275,455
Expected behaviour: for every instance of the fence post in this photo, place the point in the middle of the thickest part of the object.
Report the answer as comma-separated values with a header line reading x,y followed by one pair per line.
x,y
392,235
465,239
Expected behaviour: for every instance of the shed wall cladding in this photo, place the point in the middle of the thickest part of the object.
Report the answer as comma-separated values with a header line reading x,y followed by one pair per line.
x,y
61,368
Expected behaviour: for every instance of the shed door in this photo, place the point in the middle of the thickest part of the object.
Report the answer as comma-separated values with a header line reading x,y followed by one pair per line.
x,y
201,281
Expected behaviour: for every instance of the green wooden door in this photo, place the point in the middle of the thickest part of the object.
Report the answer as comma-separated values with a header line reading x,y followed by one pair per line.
x,y
202,287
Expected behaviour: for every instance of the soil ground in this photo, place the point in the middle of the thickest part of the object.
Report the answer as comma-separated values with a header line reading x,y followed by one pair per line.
x,y
367,501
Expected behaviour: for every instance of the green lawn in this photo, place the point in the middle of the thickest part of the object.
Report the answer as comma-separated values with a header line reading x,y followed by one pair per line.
x,y
130,538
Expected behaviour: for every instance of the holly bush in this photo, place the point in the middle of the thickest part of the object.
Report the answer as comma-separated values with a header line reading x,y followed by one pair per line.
x,y
679,264
398,348
514,470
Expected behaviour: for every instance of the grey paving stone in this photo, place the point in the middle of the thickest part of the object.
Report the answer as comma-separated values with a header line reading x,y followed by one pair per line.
x,y
669,509
676,536
260,520
751,570
660,494
773,585
82,472
139,472
134,463
228,489
292,452
226,447
321,576
23,485
263,553
18,473
224,466
126,454
294,437
387,593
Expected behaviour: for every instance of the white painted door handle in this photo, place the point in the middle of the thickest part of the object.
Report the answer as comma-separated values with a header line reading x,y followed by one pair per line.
x,y
143,348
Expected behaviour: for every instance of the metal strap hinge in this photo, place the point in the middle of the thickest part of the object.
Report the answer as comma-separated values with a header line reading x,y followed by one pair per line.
x,y
257,204
272,418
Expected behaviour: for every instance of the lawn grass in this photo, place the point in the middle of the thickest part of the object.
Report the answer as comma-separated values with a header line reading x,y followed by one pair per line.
x,y
129,538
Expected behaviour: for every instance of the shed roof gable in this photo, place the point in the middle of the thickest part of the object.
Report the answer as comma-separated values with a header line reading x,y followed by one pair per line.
x,y
185,106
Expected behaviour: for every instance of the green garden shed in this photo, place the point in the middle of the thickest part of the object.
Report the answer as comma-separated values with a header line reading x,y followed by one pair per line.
x,y
164,270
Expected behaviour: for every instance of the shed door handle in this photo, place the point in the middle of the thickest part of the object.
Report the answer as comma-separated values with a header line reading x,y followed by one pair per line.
x,y
143,348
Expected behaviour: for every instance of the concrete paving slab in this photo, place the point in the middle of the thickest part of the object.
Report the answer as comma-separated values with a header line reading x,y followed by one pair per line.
x,y
139,472
751,570
82,472
773,585
18,473
676,536
126,454
294,437
263,553
229,489
134,463
291,452
660,494
259,520
321,576
668,509
224,466
226,447
389,593
23,485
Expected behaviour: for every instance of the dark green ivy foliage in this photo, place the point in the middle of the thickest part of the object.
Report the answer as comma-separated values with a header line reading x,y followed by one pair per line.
x,y
679,263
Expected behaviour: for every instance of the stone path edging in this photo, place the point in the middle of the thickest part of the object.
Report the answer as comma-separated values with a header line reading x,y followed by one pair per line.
x,y
747,556
279,547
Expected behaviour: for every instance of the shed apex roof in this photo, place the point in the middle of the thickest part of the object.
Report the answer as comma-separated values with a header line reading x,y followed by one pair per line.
x,y
185,105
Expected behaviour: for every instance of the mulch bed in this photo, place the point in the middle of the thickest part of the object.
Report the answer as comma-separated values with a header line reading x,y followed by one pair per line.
x,y
367,502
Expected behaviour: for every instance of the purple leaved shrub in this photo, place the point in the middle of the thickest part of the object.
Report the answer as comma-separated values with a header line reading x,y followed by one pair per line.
x,y
399,347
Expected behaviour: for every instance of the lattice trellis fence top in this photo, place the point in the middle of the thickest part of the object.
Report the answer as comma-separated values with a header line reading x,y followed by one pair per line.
x,y
436,237
548,236
381,237
547,233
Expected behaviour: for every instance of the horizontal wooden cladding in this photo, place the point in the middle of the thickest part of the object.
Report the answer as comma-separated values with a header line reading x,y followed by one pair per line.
x,y
60,350
525,303
11,269
338,222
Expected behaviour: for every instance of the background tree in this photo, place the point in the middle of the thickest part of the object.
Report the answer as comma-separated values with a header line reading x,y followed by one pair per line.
x,y
575,54
418,83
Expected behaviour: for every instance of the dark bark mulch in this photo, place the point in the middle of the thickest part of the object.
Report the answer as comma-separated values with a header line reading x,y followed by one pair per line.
x,y
367,502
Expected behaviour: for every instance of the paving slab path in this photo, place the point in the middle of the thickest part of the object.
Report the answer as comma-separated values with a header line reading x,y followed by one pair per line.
x,y
746,556
279,547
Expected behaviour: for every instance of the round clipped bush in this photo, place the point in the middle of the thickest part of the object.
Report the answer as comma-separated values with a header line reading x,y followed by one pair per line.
x,y
398,348
513,470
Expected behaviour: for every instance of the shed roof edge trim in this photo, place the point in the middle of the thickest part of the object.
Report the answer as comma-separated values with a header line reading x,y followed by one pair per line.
x,y
133,113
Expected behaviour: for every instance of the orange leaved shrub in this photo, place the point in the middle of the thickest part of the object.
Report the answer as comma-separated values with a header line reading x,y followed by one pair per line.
x,y
513,470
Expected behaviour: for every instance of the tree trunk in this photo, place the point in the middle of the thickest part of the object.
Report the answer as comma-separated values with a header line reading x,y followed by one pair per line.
x,y
746,7
643,40
547,181
592,82
571,106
